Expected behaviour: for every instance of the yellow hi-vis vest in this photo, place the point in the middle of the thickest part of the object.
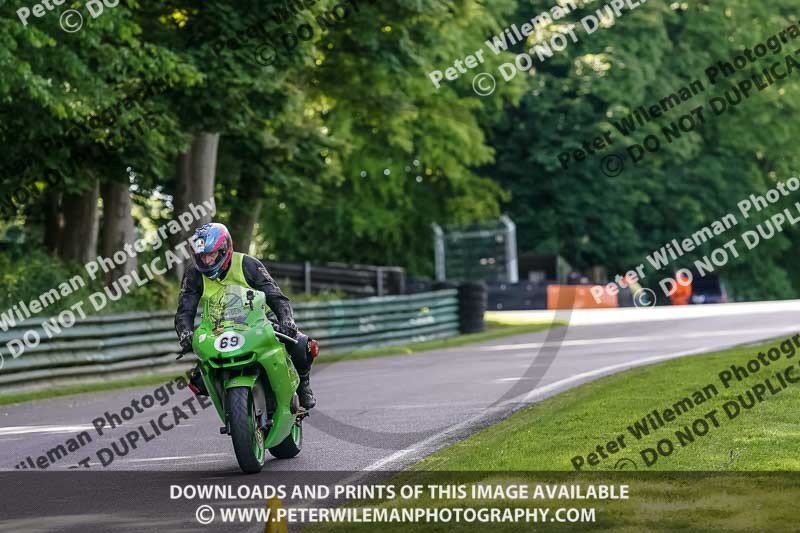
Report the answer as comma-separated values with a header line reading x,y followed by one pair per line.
x,y
235,276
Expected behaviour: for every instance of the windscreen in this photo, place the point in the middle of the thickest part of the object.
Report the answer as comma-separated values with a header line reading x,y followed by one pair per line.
x,y
229,305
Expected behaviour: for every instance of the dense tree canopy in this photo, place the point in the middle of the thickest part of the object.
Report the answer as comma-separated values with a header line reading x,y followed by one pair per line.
x,y
319,132
595,219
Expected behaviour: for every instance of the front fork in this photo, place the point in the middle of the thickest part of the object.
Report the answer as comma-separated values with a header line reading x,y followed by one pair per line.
x,y
260,406
258,395
265,404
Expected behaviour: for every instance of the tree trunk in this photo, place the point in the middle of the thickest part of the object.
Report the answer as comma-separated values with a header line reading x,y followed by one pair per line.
x,y
79,235
53,222
245,212
196,178
119,228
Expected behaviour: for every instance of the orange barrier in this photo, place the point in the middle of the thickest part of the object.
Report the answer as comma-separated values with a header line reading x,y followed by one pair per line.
x,y
577,297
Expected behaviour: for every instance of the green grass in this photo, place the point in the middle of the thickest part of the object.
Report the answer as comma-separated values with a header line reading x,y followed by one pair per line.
x,y
494,331
740,476
548,434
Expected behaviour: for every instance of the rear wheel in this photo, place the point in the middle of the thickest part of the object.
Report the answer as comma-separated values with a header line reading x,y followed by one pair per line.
x,y
248,438
291,445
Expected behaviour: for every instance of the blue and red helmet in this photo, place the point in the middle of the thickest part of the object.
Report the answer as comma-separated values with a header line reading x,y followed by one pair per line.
x,y
212,248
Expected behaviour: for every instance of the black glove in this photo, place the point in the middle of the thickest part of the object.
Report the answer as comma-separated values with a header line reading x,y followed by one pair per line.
x,y
186,343
289,328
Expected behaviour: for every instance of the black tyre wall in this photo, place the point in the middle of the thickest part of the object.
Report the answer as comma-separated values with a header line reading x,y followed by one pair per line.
x,y
472,302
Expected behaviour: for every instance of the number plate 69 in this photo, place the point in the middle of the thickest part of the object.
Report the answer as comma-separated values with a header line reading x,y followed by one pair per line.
x,y
228,342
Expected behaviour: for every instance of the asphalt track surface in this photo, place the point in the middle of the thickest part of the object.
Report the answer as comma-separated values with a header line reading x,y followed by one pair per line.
x,y
386,413
383,414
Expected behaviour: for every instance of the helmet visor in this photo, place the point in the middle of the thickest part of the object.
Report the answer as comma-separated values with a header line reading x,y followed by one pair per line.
x,y
207,260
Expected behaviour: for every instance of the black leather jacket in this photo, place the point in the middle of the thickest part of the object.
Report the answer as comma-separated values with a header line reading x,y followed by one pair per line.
x,y
257,277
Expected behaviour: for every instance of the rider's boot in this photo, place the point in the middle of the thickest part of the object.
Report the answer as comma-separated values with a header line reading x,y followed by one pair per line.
x,y
304,391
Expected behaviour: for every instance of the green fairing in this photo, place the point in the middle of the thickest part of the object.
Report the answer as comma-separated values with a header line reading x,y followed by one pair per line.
x,y
259,362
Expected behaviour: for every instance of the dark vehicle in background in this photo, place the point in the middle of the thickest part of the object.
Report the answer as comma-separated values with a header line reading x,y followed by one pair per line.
x,y
708,289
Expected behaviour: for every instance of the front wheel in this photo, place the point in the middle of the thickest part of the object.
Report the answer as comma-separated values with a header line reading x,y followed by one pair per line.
x,y
291,445
248,438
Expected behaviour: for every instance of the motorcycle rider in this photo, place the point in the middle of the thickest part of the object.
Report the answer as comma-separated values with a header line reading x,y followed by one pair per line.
x,y
217,265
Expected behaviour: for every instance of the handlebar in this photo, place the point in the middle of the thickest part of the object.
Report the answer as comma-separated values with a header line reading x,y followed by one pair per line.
x,y
275,327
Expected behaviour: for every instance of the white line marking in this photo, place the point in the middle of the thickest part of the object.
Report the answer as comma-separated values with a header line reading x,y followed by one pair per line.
x,y
23,430
175,458
433,405
541,392
529,397
627,315
640,338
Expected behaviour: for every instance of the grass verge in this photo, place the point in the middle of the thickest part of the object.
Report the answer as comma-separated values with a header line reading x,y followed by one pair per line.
x,y
549,434
493,331
739,474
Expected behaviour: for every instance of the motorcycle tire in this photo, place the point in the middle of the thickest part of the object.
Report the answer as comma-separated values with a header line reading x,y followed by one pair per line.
x,y
248,440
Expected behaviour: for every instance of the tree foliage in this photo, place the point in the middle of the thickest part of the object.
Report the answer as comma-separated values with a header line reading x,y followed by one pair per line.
x,y
343,150
595,219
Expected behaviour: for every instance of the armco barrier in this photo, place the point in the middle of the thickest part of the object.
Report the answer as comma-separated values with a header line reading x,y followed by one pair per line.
x,y
98,348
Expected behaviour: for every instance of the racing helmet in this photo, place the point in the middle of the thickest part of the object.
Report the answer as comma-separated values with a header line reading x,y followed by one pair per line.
x,y
212,249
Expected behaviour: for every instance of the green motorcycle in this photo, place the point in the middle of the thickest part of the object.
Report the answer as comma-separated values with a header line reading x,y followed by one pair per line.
x,y
250,377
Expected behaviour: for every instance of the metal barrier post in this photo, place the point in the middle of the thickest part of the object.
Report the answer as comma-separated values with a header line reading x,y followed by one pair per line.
x,y
379,283
307,276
